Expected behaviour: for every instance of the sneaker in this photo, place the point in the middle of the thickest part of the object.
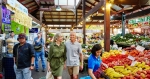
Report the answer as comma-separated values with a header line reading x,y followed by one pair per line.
x,y
37,70
43,70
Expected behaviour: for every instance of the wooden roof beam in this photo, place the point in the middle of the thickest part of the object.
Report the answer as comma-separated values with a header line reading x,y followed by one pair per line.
x,y
93,10
61,15
138,14
21,1
79,3
47,0
59,18
70,23
30,11
130,2
121,6
29,3
102,18
90,3
37,2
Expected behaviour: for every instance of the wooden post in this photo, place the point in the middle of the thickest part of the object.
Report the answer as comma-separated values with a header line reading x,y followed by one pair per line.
x,y
112,29
41,15
76,14
84,23
107,26
123,24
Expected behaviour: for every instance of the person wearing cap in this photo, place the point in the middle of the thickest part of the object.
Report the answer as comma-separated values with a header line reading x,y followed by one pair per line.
x,y
23,54
40,53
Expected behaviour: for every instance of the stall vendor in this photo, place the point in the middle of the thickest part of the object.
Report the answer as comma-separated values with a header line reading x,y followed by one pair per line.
x,y
94,62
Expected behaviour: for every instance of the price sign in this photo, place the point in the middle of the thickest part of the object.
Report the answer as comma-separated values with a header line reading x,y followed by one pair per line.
x,y
123,52
140,48
131,58
133,63
120,48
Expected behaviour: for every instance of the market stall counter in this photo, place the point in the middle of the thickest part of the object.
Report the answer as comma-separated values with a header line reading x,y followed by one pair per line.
x,y
8,64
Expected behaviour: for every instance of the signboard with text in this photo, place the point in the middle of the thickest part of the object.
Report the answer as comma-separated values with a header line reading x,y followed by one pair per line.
x,y
15,4
6,15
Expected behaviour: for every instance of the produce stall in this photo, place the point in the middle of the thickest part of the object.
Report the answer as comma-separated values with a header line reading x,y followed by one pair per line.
x,y
129,39
129,63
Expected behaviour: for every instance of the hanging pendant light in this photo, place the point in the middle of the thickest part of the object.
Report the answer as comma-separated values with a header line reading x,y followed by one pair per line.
x,y
58,8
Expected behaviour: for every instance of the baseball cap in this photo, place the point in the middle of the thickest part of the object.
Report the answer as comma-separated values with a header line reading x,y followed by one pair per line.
x,y
22,35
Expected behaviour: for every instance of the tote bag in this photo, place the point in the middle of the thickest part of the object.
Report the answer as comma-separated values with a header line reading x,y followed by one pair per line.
x,y
49,75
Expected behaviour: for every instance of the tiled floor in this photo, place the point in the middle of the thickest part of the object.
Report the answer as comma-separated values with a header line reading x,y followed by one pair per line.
x,y
41,75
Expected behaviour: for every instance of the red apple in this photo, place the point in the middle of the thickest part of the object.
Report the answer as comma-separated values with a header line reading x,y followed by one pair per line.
x,y
127,77
148,71
148,75
131,77
137,76
139,72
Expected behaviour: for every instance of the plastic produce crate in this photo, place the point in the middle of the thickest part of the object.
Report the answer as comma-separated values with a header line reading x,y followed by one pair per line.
x,y
86,77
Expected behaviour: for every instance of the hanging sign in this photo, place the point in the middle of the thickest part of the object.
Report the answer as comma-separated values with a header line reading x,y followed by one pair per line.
x,y
15,4
6,14
139,20
33,30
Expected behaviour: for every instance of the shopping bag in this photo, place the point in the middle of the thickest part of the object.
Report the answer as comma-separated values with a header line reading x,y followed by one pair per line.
x,y
49,75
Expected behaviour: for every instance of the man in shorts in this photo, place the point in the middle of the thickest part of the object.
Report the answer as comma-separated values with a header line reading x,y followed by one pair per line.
x,y
74,60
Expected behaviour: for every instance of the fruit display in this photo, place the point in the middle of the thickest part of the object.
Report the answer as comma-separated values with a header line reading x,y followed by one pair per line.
x,y
129,39
128,63
111,53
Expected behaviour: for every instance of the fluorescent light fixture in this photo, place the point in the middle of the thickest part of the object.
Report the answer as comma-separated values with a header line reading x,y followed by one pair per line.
x,y
58,8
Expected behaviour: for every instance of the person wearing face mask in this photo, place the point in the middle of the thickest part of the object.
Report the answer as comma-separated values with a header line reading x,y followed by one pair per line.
x,y
74,60
39,41
94,63
57,56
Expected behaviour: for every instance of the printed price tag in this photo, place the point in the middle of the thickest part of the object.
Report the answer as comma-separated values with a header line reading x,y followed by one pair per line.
x,y
120,48
132,45
123,52
140,48
131,58
133,63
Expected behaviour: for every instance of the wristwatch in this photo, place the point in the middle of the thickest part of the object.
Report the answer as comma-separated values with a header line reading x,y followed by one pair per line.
x,y
32,64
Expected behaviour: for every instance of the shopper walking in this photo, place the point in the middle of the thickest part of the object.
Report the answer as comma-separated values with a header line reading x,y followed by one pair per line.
x,y
57,56
74,60
23,54
39,53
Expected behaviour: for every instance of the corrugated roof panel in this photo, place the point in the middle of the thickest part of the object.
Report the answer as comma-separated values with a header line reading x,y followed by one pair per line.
x,y
26,1
70,13
69,19
31,4
42,2
46,12
94,20
62,13
55,19
48,19
62,19
55,13
55,16
32,7
62,16
47,16
116,7
92,1
88,4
